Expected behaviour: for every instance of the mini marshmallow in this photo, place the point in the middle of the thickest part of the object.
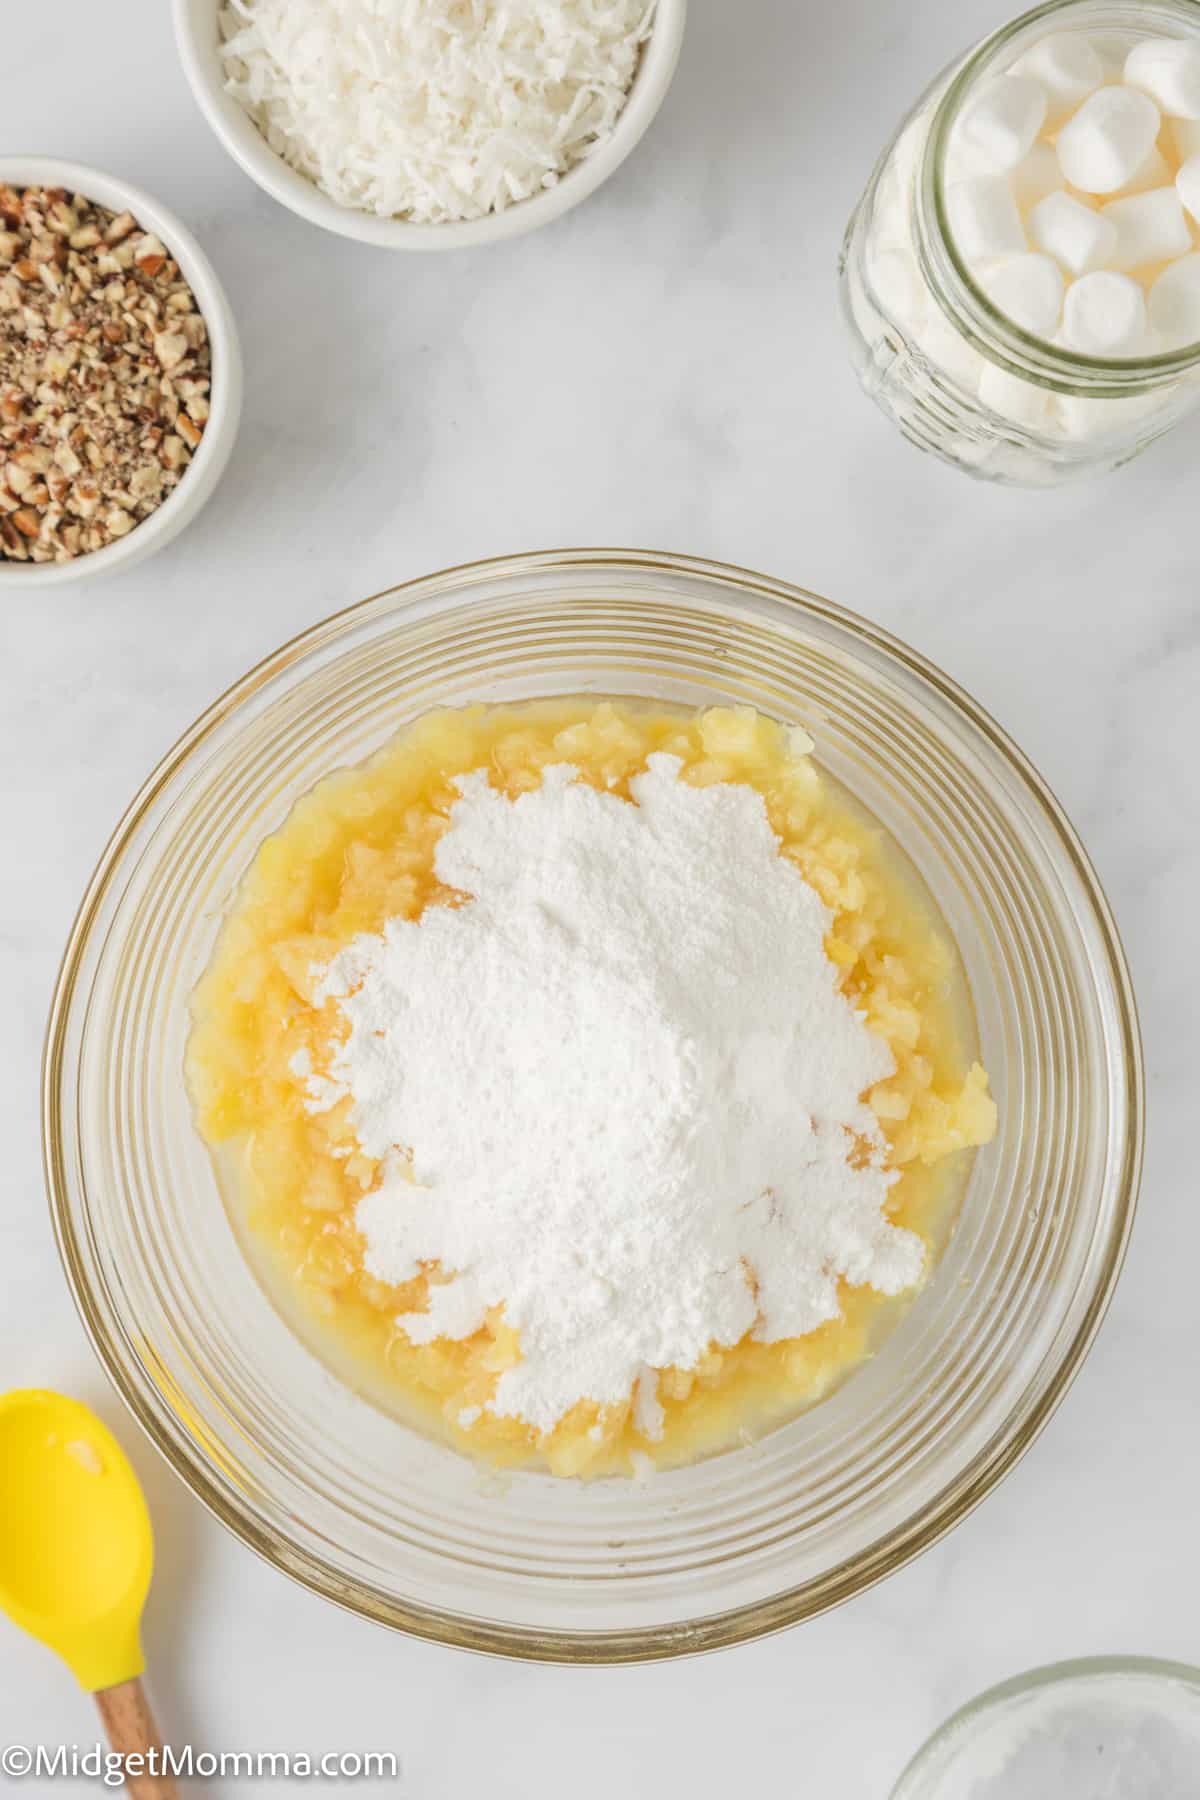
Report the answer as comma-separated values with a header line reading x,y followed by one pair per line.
x,y
910,149
1185,135
891,216
1078,239
1151,228
1168,70
1104,314
1035,177
1067,68
862,310
898,286
949,351
1029,291
1187,185
1082,416
1173,303
1001,125
1108,140
1112,47
1020,402
984,218
963,163
1155,172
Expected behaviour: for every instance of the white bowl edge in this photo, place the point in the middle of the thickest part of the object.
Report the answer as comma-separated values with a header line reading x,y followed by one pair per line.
x,y
208,465
198,46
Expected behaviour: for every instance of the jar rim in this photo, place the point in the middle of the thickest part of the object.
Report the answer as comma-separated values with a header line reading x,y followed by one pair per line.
x,y
1030,1683
989,330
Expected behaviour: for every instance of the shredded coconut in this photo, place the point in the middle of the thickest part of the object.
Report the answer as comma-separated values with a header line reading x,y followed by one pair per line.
x,y
433,110
616,1092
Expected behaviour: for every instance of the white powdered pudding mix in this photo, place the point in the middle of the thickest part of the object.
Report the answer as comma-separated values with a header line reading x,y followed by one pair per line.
x,y
615,1092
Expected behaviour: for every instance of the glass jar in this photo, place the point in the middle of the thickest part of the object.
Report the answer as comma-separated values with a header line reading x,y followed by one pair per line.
x,y
1135,1717
959,377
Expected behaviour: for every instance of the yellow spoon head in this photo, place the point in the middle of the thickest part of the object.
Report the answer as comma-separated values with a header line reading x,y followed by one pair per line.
x,y
76,1548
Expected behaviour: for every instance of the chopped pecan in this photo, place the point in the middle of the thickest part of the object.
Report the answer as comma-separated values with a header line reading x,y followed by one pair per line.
x,y
105,369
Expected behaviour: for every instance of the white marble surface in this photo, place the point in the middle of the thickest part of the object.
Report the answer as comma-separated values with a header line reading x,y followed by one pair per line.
x,y
663,368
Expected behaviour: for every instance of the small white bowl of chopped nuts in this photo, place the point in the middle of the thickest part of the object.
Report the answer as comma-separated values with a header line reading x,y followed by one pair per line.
x,y
120,374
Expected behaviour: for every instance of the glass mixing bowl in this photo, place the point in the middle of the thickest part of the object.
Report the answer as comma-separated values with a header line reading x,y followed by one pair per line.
x,y
400,1528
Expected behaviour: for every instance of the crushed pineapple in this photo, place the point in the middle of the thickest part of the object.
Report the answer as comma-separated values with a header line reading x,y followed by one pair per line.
x,y
358,850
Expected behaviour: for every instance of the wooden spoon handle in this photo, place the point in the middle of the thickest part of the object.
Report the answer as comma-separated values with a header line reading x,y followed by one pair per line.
x,y
126,1717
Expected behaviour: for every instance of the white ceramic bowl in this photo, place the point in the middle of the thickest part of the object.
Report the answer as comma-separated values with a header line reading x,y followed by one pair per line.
x,y
196,33
208,464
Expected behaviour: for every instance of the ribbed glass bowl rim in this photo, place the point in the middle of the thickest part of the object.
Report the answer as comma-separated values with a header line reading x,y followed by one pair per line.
x,y
912,1784
761,1617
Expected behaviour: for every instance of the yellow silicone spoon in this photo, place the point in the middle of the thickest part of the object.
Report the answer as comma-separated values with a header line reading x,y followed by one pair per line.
x,y
76,1552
